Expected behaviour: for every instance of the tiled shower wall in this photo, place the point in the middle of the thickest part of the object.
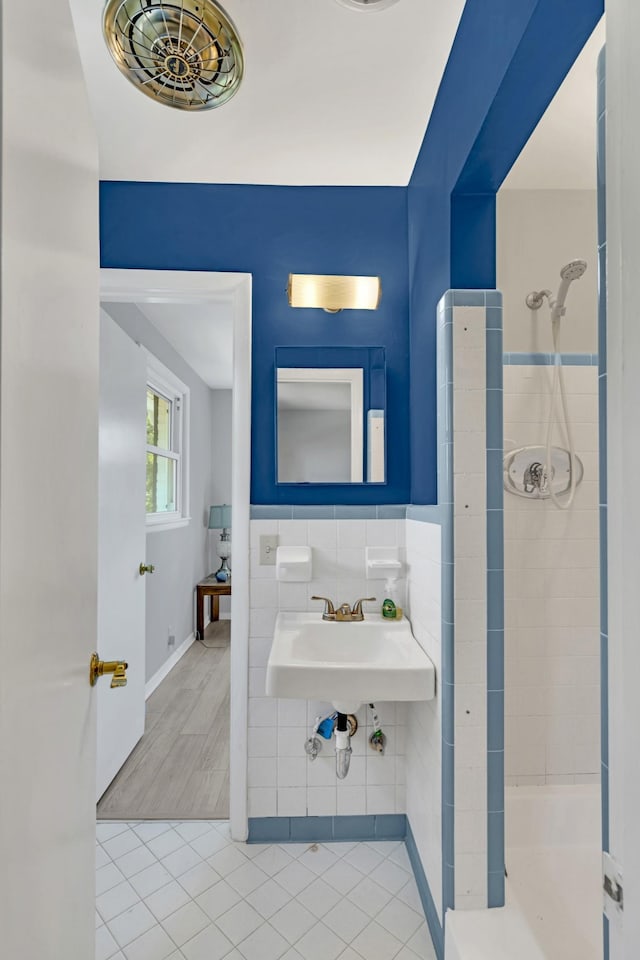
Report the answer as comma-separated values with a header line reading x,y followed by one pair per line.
x,y
283,782
552,595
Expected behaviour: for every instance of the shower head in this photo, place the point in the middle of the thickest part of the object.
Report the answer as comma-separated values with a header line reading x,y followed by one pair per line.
x,y
573,270
570,272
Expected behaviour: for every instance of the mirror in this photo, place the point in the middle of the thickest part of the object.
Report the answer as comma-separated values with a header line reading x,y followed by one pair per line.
x,y
320,426
327,430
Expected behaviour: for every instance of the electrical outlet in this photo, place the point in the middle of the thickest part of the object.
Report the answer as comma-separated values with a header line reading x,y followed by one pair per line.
x,y
268,545
171,641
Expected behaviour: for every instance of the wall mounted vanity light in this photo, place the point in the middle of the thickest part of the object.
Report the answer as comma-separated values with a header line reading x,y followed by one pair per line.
x,y
334,293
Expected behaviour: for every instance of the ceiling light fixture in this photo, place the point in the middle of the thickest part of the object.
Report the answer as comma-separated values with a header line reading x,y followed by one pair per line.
x,y
334,293
363,5
186,53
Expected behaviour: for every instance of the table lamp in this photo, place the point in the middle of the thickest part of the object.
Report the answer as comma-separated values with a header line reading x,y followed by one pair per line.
x,y
220,519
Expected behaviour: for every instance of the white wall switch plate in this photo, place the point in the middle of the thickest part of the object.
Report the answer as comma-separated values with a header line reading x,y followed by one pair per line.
x,y
268,545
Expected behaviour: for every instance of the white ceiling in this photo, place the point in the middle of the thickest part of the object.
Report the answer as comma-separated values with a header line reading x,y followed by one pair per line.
x,y
561,152
330,96
201,333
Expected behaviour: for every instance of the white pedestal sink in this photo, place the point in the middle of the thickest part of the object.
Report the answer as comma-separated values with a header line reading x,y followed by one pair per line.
x,y
347,663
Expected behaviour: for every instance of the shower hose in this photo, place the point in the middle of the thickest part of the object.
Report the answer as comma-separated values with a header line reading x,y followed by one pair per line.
x,y
559,387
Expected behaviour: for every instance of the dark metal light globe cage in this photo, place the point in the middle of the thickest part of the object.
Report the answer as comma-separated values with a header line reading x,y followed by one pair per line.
x,y
185,54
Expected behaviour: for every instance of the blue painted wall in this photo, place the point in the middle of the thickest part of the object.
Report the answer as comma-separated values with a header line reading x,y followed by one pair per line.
x,y
508,60
270,232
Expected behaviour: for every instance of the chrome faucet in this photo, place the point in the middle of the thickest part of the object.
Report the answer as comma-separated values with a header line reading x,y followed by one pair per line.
x,y
344,613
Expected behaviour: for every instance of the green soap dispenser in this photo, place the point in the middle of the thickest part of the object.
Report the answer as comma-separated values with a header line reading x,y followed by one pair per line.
x,y
390,608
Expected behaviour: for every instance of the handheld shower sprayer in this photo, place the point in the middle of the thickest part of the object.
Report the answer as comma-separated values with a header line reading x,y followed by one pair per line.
x,y
570,272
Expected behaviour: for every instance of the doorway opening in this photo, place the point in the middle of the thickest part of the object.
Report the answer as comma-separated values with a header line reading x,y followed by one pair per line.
x,y
175,356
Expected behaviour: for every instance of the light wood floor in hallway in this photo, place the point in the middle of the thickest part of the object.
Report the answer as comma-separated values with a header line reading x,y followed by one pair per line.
x,y
180,768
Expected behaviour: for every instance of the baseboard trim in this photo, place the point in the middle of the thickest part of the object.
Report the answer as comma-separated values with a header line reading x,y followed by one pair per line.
x,y
167,666
428,904
389,826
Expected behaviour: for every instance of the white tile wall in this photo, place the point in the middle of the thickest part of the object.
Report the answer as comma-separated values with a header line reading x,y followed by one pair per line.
x,y
282,780
470,598
423,755
552,596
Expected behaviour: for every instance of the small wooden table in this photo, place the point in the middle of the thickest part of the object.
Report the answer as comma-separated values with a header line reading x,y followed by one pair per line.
x,y
209,587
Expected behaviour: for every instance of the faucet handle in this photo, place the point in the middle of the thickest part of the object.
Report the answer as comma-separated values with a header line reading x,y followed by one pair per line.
x,y
329,609
357,607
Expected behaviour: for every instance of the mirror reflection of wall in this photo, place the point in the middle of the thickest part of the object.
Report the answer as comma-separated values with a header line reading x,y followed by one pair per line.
x,y
320,435
330,415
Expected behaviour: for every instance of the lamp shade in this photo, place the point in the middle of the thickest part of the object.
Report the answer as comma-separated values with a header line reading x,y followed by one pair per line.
x,y
219,517
334,293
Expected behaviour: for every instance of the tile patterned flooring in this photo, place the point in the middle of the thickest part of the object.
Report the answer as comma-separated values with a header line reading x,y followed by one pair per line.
x,y
186,891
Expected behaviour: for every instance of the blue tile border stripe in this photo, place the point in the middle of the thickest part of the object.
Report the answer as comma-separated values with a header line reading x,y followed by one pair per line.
x,y
425,513
354,828
549,359
495,358
428,905
474,298
603,498
464,298
388,826
279,511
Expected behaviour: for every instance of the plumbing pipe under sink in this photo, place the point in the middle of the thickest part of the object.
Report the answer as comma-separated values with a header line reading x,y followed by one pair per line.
x,y
343,746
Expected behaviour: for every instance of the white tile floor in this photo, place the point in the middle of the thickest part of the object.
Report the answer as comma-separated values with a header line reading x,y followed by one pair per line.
x,y
168,891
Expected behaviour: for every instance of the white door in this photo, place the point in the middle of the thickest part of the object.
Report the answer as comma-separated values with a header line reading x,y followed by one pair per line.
x,y
49,310
121,545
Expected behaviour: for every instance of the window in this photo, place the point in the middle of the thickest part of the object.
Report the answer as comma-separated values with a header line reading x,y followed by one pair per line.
x,y
167,435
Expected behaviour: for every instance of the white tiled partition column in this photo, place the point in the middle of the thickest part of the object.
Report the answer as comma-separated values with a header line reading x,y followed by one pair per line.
x,y
470,480
283,781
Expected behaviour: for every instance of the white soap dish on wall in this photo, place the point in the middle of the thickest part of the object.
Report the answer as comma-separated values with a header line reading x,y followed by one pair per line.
x,y
293,564
383,563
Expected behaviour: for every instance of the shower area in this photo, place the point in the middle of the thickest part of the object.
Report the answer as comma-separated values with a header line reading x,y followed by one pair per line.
x,y
548,272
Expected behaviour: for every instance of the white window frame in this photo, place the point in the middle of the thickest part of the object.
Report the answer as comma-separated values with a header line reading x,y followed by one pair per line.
x,y
165,383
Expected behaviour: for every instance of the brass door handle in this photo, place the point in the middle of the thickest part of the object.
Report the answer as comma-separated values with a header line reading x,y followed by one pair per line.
x,y
146,568
98,668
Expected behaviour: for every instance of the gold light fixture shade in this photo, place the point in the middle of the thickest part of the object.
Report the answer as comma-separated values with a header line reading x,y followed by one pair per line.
x,y
334,293
183,53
